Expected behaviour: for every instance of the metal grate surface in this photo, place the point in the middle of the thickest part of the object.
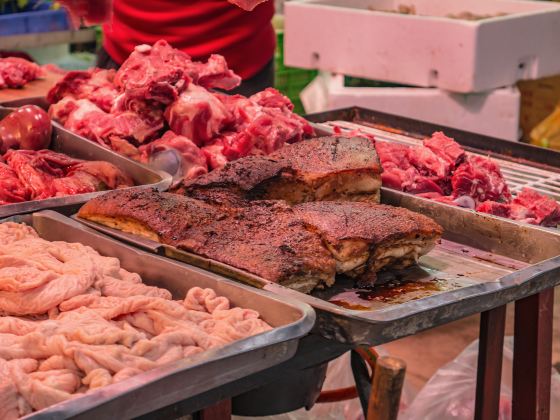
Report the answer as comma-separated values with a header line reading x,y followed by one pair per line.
x,y
516,174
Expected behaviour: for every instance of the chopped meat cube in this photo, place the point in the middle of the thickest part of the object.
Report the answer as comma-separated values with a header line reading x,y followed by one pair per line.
x,y
214,74
545,209
428,163
446,148
197,114
95,85
480,178
158,72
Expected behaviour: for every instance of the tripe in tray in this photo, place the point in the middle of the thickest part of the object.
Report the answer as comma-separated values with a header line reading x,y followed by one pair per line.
x,y
74,321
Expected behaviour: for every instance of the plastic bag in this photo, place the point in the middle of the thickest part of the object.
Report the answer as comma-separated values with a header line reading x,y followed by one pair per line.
x,y
339,375
450,393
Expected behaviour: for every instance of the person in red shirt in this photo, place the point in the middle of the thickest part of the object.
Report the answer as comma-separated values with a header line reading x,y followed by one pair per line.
x,y
199,27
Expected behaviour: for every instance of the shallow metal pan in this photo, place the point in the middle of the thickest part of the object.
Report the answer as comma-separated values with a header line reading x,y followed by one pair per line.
x,y
483,262
66,142
186,379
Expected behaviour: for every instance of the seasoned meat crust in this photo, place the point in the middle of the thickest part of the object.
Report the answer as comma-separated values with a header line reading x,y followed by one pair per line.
x,y
265,238
365,238
327,168
375,223
163,217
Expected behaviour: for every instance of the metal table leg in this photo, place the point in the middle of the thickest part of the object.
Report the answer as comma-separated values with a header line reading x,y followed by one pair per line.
x,y
489,370
219,411
532,357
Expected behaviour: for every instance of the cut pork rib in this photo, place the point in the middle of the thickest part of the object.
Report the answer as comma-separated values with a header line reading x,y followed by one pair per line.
x,y
365,238
328,168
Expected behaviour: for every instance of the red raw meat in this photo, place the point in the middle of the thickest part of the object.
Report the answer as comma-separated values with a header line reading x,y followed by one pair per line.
x,y
392,155
422,184
528,206
428,163
157,72
161,72
480,178
272,98
158,86
46,174
15,72
95,85
545,209
37,169
197,114
11,188
121,132
193,161
214,74
400,174
446,148
215,155
495,208
62,109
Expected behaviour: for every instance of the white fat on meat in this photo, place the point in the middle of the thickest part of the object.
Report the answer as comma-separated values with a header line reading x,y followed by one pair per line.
x,y
74,321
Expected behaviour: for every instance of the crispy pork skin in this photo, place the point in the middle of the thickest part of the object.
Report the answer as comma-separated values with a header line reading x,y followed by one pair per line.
x,y
321,169
365,238
161,217
264,238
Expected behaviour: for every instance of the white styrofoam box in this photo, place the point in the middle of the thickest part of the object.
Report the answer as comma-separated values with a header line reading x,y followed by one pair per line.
x,y
428,49
494,113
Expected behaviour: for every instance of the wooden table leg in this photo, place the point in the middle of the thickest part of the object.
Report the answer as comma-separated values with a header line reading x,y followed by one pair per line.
x,y
218,411
532,357
489,369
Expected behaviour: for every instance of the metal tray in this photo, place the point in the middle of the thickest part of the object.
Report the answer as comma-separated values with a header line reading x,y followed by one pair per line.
x,y
186,379
483,262
522,165
69,143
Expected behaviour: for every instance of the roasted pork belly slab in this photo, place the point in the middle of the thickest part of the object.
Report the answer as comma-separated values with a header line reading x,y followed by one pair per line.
x,y
264,238
161,217
365,238
321,169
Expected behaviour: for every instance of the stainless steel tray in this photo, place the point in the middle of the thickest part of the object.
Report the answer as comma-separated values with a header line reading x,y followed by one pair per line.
x,y
483,262
66,142
183,380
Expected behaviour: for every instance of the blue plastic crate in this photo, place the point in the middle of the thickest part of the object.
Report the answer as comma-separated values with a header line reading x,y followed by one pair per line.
x,y
32,22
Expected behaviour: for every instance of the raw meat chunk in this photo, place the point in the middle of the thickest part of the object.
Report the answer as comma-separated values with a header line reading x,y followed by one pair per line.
x,y
480,178
197,114
95,85
11,188
15,72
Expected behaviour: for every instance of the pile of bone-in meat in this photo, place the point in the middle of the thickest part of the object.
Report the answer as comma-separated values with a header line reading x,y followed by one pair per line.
x,y
297,217
440,169
16,72
74,321
160,99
